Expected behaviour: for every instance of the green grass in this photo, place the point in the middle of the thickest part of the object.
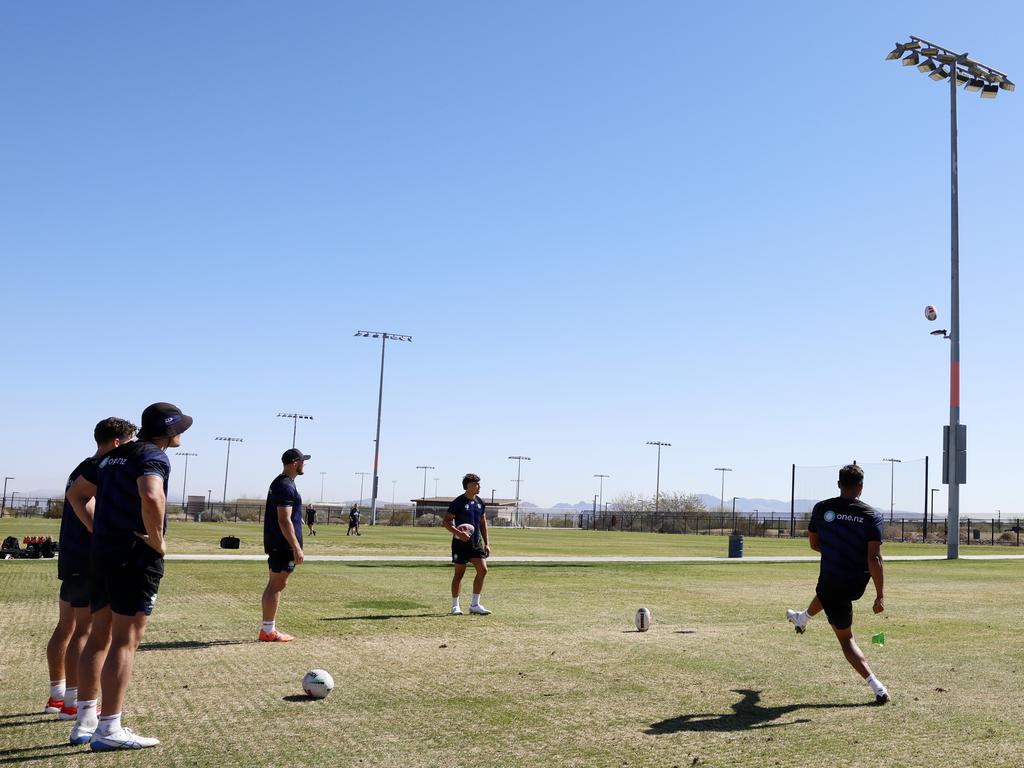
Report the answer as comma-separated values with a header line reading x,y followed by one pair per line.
x,y
199,538
556,677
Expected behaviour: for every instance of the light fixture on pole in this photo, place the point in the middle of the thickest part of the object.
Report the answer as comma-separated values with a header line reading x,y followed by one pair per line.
x,y
519,474
227,463
892,483
362,476
295,422
975,77
3,503
600,492
424,467
383,336
322,476
657,482
184,480
721,503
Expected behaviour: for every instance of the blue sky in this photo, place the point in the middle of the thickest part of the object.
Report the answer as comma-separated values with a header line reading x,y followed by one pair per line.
x,y
602,224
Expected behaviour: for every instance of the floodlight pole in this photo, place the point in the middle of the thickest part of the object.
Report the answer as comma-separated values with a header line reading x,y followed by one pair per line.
x,y
721,503
295,419
600,491
384,336
976,76
892,483
322,475
3,504
184,481
424,467
657,481
362,476
933,506
519,475
227,463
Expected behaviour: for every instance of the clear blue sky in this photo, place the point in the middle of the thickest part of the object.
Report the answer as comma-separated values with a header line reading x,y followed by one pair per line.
x,y
602,223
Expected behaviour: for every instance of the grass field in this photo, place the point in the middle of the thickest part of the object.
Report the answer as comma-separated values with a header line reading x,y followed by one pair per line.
x,y
556,677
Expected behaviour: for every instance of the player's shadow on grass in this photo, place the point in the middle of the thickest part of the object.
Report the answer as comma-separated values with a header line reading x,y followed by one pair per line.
x,y
37,719
382,616
50,751
186,645
747,715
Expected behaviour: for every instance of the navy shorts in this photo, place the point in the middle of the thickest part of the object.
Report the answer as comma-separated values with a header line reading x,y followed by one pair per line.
x,y
126,577
464,551
75,585
837,599
281,560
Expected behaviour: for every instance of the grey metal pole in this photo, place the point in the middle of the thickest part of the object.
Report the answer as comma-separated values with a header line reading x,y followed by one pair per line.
x,y
227,463
657,482
295,428
953,541
601,489
3,503
376,442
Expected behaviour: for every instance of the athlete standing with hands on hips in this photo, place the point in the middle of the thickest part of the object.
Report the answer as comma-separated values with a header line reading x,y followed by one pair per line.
x,y
466,549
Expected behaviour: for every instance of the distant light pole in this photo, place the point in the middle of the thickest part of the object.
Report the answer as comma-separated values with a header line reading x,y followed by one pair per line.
x,y
227,463
519,475
184,480
322,476
959,69
209,496
721,503
933,506
435,486
394,485
13,494
295,422
657,482
3,504
362,476
383,336
892,483
424,467
734,512
600,492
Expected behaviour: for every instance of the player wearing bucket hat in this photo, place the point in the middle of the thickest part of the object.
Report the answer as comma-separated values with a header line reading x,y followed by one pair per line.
x,y
127,566
282,540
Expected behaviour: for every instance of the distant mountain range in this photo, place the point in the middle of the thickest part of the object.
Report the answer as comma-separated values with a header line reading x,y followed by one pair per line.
x,y
745,507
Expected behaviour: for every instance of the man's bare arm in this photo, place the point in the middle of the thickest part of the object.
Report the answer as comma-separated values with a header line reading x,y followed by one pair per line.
x,y
875,569
814,541
284,521
82,498
154,506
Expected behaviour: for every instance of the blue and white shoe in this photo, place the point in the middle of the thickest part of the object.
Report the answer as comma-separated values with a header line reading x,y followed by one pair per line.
x,y
479,610
81,734
125,738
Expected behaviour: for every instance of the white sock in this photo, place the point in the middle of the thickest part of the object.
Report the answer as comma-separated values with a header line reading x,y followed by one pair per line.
x,y
109,724
70,697
476,600
455,602
876,685
57,689
87,713
804,617
268,626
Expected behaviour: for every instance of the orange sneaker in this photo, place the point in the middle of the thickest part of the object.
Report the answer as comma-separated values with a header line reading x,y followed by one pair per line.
x,y
69,713
277,636
53,706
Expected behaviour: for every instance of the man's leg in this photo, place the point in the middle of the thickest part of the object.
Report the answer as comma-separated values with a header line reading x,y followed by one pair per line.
x,y
91,661
799,618
855,656
478,585
269,633
55,650
83,622
460,570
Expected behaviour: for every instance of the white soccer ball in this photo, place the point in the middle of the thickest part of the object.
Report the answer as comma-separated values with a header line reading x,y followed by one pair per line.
x,y
930,312
642,619
318,683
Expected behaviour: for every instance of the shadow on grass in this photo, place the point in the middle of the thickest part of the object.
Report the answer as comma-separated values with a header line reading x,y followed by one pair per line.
x,y
37,719
19,714
48,752
186,645
382,616
298,697
747,715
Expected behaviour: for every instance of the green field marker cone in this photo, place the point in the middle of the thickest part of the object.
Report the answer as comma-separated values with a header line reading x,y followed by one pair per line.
x,y
878,639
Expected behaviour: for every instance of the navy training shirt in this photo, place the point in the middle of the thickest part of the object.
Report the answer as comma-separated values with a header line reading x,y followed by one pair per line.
x,y
844,527
75,538
282,493
468,511
118,503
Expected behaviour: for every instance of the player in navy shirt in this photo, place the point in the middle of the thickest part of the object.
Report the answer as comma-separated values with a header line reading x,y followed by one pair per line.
x,y
74,617
282,540
848,534
468,508
127,565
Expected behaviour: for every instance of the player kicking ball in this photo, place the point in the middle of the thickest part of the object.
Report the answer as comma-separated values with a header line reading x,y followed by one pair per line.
x,y
468,510
848,534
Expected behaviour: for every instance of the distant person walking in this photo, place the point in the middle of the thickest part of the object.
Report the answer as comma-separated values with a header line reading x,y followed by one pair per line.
x,y
468,508
353,521
848,534
311,520
282,540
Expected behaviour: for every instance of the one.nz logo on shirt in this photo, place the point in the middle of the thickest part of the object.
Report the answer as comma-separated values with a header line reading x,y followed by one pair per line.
x,y
830,516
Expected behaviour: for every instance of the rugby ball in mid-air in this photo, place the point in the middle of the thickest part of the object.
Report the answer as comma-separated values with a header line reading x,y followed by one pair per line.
x,y
930,312
318,683
467,528
642,619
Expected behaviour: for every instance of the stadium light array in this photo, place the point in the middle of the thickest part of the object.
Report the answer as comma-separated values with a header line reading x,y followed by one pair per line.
x,y
961,70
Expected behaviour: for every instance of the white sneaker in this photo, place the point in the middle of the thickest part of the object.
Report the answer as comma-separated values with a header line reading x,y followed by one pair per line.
x,y
81,734
125,738
456,611
794,618
479,610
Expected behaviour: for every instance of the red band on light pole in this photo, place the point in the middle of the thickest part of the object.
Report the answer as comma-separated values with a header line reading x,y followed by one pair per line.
x,y
954,385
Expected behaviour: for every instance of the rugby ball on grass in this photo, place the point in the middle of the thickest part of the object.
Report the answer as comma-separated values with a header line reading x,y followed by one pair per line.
x,y
642,619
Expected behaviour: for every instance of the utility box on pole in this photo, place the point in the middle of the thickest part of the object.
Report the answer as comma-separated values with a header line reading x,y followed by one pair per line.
x,y
961,455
